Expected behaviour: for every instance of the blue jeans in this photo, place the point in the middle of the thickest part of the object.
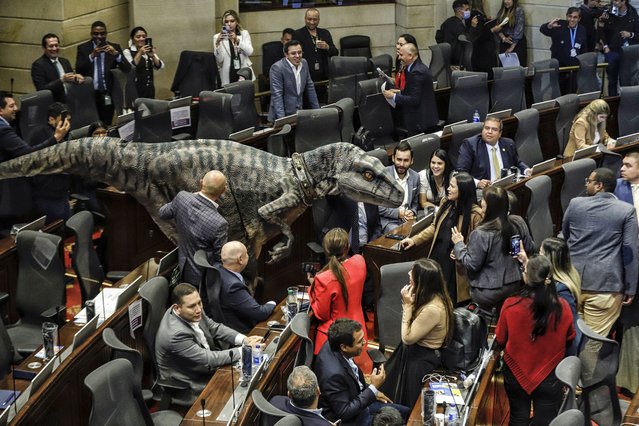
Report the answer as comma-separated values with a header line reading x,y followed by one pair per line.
x,y
613,58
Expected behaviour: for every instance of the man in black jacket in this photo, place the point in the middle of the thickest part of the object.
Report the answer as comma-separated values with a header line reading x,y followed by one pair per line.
x,y
95,59
621,29
50,71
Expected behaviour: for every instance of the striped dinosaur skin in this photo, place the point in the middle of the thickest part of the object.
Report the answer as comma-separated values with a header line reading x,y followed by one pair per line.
x,y
263,197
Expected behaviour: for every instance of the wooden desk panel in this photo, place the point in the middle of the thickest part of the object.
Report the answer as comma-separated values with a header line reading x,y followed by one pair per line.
x,y
632,415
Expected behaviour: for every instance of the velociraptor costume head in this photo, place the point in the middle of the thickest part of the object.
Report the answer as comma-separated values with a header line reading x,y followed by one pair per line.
x,y
266,193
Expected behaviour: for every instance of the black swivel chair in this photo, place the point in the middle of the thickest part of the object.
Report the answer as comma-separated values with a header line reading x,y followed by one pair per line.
x,y
33,112
587,80
469,93
315,128
466,52
276,143
568,372
81,101
375,116
459,133
508,91
345,73
117,396
423,147
383,62
526,138
568,108
216,116
210,287
572,417
440,64
346,109
243,105
575,173
545,84
270,415
7,352
538,213
40,288
628,112
301,326
629,65
196,72
355,45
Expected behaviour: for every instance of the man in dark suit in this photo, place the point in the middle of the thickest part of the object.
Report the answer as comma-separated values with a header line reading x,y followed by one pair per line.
x,y
390,217
12,145
199,225
627,188
484,155
50,71
601,233
95,59
189,346
303,397
416,102
344,392
291,85
241,311
318,47
455,26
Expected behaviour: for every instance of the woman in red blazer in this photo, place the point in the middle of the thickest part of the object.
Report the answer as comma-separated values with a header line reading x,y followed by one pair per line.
x,y
336,291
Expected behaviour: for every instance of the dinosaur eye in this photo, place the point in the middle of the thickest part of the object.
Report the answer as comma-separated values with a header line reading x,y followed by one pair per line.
x,y
368,175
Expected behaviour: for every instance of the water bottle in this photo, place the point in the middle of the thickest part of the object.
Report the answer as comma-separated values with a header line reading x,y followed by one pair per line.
x,y
247,364
476,116
257,355
451,415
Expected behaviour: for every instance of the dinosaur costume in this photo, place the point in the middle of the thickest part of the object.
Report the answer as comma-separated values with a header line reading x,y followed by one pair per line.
x,y
266,193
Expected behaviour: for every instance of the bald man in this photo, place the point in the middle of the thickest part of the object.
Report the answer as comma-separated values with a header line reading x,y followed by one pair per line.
x,y
241,311
416,103
199,224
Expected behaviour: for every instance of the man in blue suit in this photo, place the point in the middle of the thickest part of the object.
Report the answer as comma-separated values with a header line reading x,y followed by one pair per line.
x,y
391,218
291,85
628,184
484,155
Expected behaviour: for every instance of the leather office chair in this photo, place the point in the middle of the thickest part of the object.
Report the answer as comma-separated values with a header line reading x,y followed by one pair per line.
x,y
40,287
587,80
243,105
346,109
124,92
383,62
372,86
375,116
568,372
466,52
33,112
210,287
526,138
315,128
469,93
290,420
196,72
572,417
270,414
538,213
82,132
84,258
575,173
628,65
545,84
81,101
301,326
116,396
568,108
120,350
345,73
440,64
508,91
380,154
7,352
628,112
389,308
276,143
152,121
459,133
423,147
216,116
355,45
599,364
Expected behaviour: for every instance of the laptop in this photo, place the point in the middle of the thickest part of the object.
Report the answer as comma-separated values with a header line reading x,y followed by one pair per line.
x,y
242,134
503,182
590,96
585,152
543,166
417,227
181,102
167,262
289,119
36,225
627,140
544,105
128,293
504,113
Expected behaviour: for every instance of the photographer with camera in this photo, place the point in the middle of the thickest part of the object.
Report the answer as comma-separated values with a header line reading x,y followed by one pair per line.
x,y
142,55
336,290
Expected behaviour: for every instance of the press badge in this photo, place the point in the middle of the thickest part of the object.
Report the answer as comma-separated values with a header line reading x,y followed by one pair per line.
x,y
573,53
236,64
316,66
107,100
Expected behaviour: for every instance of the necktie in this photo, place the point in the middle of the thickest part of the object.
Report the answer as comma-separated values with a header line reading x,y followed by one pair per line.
x,y
635,198
400,79
58,66
496,166
100,64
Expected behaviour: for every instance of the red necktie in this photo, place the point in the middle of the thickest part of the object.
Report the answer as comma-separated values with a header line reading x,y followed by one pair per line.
x,y
400,79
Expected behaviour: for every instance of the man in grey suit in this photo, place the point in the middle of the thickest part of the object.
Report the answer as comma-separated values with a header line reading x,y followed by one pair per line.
x,y
601,232
189,346
199,225
291,85
391,218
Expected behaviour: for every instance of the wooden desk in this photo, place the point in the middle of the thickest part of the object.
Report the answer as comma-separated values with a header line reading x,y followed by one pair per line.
x,y
63,396
632,415
273,381
9,269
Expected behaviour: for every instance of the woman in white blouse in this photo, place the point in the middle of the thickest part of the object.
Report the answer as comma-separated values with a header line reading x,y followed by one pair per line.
x,y
232,47
142,55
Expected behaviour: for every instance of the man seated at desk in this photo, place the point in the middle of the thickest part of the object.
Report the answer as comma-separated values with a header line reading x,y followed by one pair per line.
x,y
486,154
190,346
241,311
303,397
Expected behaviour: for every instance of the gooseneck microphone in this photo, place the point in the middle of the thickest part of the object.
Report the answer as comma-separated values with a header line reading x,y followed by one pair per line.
x,y
203,404
232,379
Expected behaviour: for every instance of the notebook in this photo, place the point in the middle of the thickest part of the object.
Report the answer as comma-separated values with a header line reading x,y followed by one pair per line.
x,y
543,166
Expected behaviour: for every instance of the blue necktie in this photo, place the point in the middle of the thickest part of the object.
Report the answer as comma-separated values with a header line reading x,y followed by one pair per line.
x,y
100,63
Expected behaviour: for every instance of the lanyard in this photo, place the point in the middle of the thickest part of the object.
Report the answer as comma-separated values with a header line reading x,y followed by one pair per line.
x,y
573,36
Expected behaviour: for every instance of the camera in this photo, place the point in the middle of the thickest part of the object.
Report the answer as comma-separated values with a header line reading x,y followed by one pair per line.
x,y
311,268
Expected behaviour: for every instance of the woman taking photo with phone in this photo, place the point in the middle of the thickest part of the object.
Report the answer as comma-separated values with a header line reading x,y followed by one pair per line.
x,y
232,47
141,54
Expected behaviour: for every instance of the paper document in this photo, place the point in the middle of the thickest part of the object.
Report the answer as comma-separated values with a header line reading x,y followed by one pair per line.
x,y
390,101
110,302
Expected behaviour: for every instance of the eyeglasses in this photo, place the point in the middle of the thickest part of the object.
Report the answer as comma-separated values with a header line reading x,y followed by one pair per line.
x,y
588,180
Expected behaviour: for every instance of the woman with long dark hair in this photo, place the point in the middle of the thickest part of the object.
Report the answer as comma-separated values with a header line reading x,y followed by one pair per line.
x,y
511,36
494,274
145,61
427,325
336,291
458,209
534,329
434,180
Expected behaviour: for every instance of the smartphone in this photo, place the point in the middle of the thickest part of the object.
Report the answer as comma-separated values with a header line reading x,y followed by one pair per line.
x,y
515,242
376,365
149,41
64,115
311,267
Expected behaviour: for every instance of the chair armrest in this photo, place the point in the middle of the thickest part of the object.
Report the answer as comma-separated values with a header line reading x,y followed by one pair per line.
x,y
315,248
115,276
376,356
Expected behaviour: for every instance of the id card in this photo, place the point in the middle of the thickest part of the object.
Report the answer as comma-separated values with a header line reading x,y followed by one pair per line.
x,y
316,66
573,53
107,100
236,64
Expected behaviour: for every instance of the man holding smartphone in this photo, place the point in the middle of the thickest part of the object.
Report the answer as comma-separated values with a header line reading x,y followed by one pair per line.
x,y
95,59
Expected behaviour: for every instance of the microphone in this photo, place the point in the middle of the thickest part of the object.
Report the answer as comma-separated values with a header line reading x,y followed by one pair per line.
x,y
232,379
203,404
103,307
13,379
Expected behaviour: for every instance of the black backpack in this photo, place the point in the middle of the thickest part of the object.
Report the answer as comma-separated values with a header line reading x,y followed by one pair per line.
x,y
469,337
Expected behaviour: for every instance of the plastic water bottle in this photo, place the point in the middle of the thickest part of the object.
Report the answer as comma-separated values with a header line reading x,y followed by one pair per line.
x,y
451,415
257,355
476,116
247,364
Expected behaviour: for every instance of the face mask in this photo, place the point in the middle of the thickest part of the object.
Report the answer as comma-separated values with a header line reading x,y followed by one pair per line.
x,y
466,14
